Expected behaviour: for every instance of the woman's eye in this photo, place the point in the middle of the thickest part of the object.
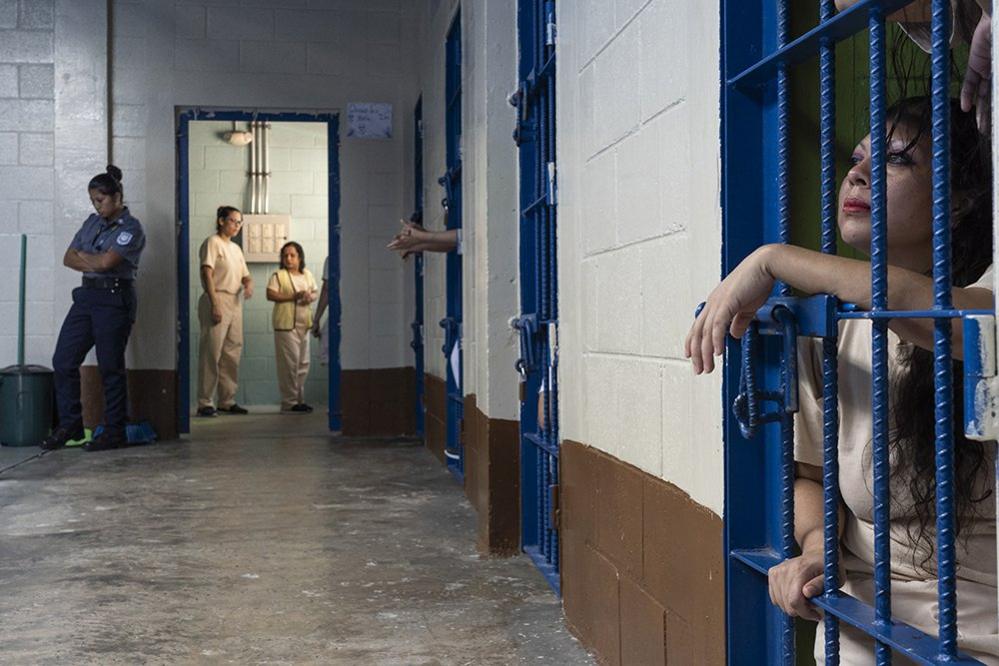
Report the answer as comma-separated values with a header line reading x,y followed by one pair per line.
x,y
856,159
900,158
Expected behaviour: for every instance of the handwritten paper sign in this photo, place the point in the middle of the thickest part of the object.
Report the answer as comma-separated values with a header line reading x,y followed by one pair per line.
x,y
369,120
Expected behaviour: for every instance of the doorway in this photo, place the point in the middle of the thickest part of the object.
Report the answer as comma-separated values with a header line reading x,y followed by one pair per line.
x,y
303,167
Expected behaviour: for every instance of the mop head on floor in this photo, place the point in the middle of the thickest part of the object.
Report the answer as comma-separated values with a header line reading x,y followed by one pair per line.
x,y
135,433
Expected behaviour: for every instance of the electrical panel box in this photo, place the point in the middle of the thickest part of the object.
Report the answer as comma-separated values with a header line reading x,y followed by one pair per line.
x,y
263,236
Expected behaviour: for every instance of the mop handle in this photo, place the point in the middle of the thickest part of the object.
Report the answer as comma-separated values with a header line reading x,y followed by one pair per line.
x,y
20,307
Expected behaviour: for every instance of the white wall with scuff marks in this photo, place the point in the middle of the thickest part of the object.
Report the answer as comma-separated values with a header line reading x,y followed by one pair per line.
x,y
53,139
639,233
489,198
276,56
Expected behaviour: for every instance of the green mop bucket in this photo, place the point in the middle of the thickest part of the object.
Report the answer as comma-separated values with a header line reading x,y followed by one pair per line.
x,y
25,390
25,405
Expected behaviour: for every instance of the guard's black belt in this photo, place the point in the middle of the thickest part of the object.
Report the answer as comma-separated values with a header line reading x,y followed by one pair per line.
x,y
106,282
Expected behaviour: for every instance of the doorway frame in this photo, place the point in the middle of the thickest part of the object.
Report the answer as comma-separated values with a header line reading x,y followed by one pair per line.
x,y
184,117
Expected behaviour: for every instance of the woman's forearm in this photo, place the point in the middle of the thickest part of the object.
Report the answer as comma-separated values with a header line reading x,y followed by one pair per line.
x,y
850,281
278,297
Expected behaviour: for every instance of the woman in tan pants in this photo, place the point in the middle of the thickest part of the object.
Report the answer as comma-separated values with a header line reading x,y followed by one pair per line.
x,y
292,289
224,275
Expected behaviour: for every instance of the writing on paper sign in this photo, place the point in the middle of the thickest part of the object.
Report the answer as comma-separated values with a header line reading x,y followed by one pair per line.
x,y
369,120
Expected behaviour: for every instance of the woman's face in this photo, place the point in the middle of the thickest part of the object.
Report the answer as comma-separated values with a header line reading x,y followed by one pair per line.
x,y
289,258
230,226
909,197
106,205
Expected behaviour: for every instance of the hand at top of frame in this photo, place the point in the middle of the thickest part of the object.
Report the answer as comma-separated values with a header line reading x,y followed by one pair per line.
x,y
977,86
729,309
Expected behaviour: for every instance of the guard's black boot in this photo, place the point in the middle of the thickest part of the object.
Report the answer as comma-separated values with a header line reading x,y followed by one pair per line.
x,y
107,440
60,437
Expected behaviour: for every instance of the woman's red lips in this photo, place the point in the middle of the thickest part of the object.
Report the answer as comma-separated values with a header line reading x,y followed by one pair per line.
x,y
856,206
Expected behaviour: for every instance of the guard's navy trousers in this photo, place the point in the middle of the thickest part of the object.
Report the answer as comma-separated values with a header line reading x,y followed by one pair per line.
x,y
103,318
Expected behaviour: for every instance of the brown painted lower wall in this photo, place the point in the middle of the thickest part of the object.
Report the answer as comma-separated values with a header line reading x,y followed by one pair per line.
x,y
378,402
492,467
492,479
642,564
435,421
152,396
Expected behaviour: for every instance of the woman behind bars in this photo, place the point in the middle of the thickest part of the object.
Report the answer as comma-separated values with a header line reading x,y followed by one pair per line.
x,y
729,310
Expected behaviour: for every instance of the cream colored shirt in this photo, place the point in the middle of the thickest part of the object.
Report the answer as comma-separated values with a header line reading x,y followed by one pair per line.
x,y
914,591
226,260
301,282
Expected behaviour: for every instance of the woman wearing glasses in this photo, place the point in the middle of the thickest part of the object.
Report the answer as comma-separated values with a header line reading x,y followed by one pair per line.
x,y
224,276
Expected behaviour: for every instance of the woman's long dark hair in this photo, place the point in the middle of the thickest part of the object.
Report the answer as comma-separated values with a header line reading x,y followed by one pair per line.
x,y
912,440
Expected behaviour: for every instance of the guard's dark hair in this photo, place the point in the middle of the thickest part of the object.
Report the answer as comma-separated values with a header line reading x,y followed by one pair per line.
x,y
301,254
912,439
107,183
223,213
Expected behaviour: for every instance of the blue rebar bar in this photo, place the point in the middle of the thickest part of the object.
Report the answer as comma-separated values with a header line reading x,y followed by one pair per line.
x,y
787,543
942,365
830,370
783,141
879,335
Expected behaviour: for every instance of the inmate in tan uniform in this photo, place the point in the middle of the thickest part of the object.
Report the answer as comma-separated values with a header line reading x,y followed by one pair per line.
x,y
913,591
221,344
292,322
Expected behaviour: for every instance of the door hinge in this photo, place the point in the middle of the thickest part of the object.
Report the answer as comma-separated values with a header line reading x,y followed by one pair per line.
x,y
553,496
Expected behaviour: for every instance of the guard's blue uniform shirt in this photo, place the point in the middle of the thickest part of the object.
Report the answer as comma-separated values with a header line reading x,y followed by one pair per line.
x,y
124,235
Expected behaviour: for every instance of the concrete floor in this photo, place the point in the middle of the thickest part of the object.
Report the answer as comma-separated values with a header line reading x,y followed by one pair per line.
x,y
251,546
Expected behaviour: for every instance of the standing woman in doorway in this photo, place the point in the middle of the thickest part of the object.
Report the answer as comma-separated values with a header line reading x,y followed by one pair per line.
x,y
106,250
224,275
292,289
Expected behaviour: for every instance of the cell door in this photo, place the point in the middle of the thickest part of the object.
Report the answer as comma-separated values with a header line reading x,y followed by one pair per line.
x,y
538,322
451,182
761,371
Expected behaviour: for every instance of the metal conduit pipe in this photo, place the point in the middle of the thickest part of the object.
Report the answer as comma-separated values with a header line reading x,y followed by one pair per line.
x,y
253,168
265,169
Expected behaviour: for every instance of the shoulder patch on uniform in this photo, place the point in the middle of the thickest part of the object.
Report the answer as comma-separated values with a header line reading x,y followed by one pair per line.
x,y
124,238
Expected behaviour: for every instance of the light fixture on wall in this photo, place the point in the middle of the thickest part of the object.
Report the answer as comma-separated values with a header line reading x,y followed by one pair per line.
x,y
238,137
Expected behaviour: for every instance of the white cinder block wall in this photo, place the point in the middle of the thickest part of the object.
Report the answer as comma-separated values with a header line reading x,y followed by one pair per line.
x,y
489,182
639,233
280,55
53,139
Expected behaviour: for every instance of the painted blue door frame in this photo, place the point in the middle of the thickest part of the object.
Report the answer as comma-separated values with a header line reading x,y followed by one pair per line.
x,y
454,450
760,379
538,323
417,326
184,118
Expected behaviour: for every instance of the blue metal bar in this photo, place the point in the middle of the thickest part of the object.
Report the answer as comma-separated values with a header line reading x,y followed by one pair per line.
x,y
830,489
183,276
943,315
843,26
783,142
830,354
942,365
909,641
879,343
